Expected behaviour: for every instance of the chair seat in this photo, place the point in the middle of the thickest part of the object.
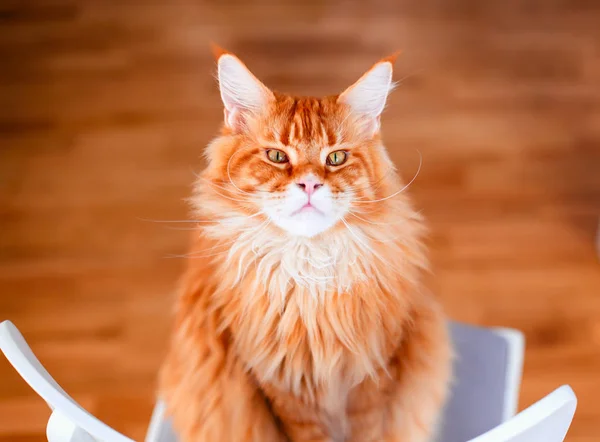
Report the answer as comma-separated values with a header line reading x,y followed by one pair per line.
x,y
481,407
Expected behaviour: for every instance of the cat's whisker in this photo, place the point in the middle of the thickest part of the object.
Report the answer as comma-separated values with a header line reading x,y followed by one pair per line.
x,y
214,184
202,223
384,241
354,211
188,256
184,228
392,169
256,231
199,253
360,241
377,183
222,187
168,221
358,201
231,180
230,198
367,221
239,241
370,249
251,229
227,243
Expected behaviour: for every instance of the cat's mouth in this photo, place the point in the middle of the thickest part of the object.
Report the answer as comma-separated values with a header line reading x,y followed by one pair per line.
x,y
307,208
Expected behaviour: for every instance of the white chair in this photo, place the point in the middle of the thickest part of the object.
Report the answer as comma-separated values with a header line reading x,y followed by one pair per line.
x,y
481,408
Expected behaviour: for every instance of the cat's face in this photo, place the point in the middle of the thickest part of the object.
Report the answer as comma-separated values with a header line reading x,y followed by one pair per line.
x,y
305,163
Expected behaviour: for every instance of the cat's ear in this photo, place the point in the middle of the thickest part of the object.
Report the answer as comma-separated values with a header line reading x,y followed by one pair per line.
x,y
242,93
366,98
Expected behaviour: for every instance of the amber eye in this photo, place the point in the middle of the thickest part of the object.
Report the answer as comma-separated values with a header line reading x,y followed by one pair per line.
x,y
337,158
277,156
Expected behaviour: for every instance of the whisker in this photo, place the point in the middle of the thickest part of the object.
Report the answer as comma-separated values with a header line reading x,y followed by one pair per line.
x,y
219,186
354,213
232,199
358,239
377,255
231,181
199,253
188,256
384,241
401,190
367,221
184,228
174,220
377,183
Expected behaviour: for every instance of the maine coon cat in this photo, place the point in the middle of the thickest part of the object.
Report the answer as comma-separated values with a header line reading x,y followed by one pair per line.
x,y
301,316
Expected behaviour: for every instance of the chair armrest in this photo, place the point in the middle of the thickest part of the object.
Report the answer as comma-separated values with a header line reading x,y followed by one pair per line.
x,y
68,416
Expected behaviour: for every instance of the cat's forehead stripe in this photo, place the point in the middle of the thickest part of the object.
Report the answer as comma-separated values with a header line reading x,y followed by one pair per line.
x,y
307,120
285,132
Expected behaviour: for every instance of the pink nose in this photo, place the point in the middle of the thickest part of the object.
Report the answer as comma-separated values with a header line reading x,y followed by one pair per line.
x,y
309,186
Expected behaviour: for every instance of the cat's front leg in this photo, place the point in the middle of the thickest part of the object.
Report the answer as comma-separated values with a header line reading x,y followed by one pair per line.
x,y
422,369
209,395
304,420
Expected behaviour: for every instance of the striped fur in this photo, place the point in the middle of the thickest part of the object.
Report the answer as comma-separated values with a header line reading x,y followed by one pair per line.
x,y
283,337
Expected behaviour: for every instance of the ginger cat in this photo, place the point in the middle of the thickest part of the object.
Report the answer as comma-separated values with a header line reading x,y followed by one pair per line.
x,y
301,316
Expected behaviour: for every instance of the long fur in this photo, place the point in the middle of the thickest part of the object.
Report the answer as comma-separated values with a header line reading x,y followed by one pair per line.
x,y
280,337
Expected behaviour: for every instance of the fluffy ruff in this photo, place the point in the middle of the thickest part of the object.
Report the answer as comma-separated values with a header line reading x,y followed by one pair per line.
x,y
307,339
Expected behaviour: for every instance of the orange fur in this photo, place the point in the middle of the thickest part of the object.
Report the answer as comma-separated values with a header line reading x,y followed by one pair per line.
x,y
280,337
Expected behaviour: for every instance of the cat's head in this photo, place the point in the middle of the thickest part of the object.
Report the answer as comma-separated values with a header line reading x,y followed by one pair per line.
x,y
306,164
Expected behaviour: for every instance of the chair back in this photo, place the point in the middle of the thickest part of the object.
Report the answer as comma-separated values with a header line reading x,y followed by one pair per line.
x,y
487,378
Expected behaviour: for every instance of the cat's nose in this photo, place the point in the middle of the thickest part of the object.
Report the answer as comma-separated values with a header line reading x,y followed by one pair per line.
x,y
309,186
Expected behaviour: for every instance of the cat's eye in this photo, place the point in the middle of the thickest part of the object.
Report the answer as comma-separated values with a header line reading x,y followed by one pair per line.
x,y
277,156
337,158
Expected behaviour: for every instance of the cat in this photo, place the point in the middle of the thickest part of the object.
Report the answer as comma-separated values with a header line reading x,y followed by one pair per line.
x,y
301,315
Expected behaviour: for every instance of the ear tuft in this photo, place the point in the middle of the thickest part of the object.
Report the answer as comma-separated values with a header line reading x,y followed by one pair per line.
x,y
392,57
217,50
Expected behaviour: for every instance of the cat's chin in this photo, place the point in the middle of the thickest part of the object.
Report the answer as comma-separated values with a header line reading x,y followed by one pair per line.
x,y
305,223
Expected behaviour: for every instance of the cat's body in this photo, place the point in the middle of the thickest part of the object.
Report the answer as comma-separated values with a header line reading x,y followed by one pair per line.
x,y
300,323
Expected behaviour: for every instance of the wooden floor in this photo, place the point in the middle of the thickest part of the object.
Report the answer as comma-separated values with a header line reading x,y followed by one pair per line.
x,y
106,106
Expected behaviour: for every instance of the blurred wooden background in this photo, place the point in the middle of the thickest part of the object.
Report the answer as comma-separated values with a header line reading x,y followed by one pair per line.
x,y
105,109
